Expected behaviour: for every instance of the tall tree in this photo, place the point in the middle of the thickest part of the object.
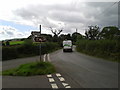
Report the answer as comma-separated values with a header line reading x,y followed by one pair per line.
x,y
110,32
56,34
92,33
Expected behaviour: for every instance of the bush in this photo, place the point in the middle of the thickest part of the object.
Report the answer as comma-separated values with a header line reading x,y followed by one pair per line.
x,y
108,49
27,49
9,53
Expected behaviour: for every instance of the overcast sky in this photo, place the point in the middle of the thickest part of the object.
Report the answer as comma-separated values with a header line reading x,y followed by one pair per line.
x,y
19,17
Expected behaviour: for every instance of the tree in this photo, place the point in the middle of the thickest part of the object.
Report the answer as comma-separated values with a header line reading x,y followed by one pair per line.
x,y
110,32
93,33
68,37
48,37
75,36
56,34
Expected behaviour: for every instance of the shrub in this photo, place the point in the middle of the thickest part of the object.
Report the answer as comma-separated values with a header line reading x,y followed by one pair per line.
x,y
9,53
27,49
108,49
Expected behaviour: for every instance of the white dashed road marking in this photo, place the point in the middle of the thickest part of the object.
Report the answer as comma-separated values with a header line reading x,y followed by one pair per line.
x,y
58,75
54,85
68,87
61,79
51,80
49,76
65,84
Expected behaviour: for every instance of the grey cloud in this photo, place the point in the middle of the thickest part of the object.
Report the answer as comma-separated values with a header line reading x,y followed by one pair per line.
x,y
9,33
75,15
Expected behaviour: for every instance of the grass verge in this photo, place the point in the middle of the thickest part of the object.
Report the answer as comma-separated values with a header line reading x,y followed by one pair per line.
x,y
16,42
30,69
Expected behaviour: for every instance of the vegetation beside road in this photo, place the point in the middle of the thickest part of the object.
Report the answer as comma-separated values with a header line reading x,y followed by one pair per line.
x,y
107,49
27,49
104,44
30,69
16,42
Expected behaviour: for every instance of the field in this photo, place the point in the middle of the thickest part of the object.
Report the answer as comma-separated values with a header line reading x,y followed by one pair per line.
x,y
16,42
20,42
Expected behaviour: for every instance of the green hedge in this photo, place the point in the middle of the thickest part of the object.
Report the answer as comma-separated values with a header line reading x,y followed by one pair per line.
x,y
25,50
108,49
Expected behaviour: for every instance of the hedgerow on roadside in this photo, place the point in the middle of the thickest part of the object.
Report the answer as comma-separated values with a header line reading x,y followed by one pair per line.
x,y
108,49
27,49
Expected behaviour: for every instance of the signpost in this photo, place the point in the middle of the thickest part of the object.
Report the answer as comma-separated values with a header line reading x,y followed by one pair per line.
x,y
40,44
38,38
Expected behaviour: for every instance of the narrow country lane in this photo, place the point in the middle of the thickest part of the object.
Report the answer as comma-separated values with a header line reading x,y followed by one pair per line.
x,y
86,71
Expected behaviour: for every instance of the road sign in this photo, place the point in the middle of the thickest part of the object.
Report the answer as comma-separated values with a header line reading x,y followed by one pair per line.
x,y
39,39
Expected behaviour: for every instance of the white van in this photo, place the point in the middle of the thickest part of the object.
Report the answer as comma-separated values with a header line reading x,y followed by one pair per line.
x,y
67,45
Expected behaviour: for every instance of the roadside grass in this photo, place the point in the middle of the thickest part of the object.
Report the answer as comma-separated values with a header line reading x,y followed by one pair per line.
x,y
20,42
16,42
30,69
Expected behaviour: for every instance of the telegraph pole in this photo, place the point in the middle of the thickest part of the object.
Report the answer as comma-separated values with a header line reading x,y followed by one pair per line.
x,y
40,44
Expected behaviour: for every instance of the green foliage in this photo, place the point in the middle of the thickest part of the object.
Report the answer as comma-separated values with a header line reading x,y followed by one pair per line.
x,y
110,32
29,69
27,49
75,36
9,53
108,49
28,42
16,42
92,33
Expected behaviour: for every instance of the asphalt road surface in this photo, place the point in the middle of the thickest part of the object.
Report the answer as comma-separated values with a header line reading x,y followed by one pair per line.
x,y
54,81
78,70
16,62
84,71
